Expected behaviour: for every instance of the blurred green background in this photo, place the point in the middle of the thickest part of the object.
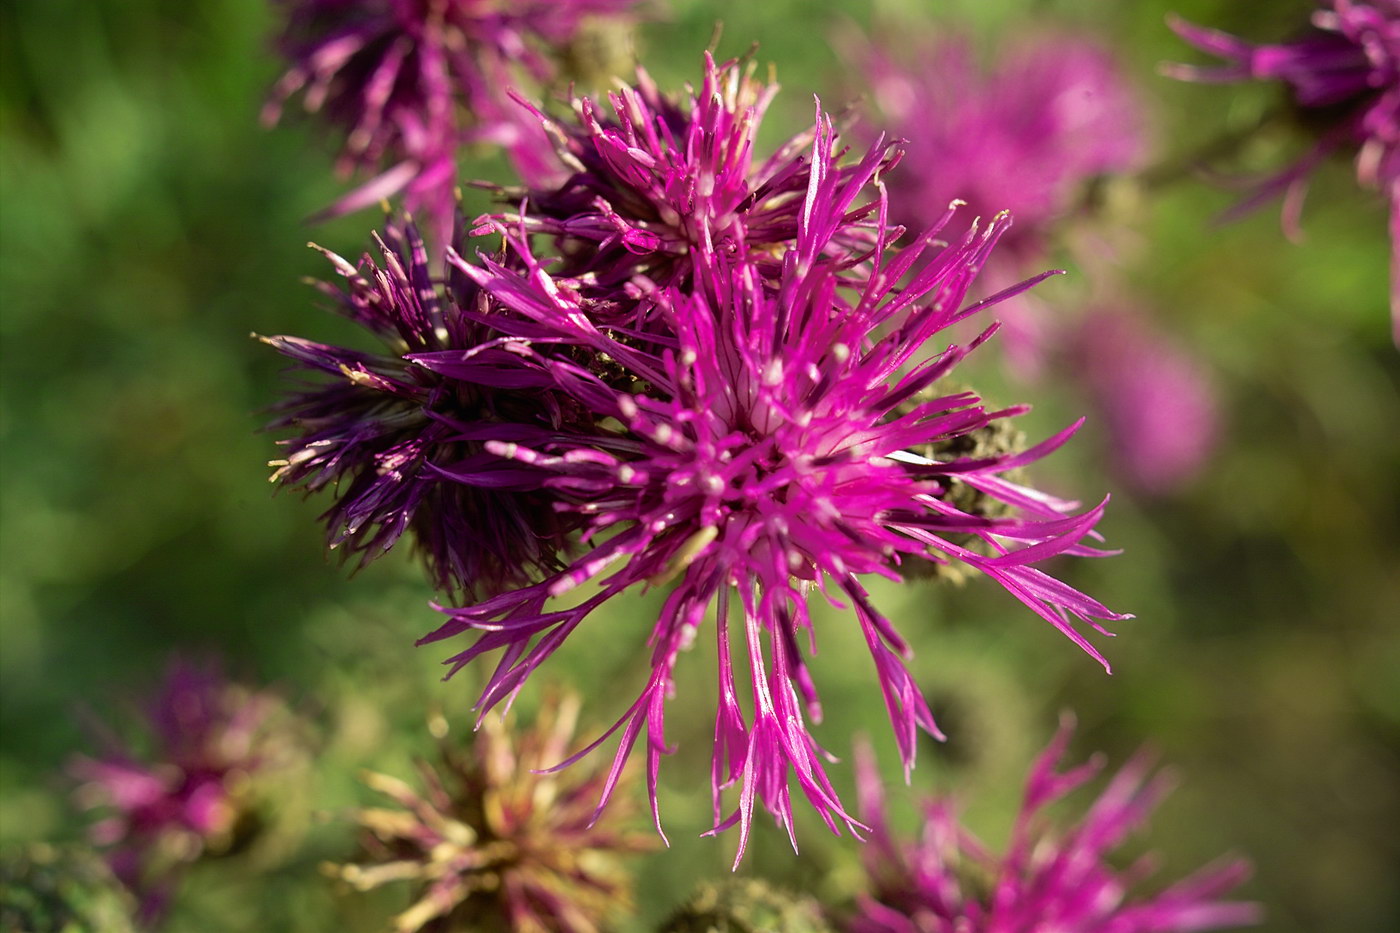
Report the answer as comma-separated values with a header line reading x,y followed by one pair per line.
x,y
149,223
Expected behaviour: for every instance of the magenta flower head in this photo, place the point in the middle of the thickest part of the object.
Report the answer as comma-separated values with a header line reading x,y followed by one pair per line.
x,y
400,445
1344,69
655,183
1155,400
1023,135
190,793
410,81
946,881
495,845
785,435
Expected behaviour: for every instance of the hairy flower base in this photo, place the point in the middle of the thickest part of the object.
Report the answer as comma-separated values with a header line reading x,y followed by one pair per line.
x,y
493,841
946,881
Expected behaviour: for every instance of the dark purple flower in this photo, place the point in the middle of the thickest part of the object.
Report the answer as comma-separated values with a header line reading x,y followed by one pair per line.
x,y
400,442
190,793
411,81
494,843
657,186
946,881
769,434
1156,402
1023,136
1345,69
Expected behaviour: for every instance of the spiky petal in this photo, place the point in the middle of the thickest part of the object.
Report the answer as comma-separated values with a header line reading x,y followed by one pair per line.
x,y
659,187
399,443
946,881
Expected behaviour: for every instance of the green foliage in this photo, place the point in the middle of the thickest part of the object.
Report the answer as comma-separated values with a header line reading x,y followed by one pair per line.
x,y
747,906
61,890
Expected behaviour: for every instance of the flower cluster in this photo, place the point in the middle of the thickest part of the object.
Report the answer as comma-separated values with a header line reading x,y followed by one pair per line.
x,y
192,793
412,81
946,881
1344,70
749,405
495,842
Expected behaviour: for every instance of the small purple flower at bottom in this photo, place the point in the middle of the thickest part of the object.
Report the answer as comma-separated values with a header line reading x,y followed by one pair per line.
x,y
1345,70
189,794
1049,878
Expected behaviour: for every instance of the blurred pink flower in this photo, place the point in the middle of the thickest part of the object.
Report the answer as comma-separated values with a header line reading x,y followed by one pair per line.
x,y
1024,134
1156,404
188,794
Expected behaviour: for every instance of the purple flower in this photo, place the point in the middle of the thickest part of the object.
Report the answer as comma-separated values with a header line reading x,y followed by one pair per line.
x,y
946,881
400,443
1156,402
657,185
1024,135
766,434
190,793
411,81
492,837
1345,69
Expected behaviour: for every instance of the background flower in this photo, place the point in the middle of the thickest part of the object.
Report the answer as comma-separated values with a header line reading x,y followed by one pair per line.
x,y
1345,71
493,842
1026,131
191,793
411,81
946,881
1156,402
